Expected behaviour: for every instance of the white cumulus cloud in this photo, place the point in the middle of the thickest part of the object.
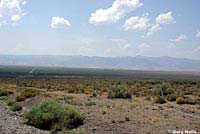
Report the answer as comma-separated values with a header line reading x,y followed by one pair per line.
x,y
154,28
114,13
180,38
165,18
11,11
136,23
198,34
162,19
58,22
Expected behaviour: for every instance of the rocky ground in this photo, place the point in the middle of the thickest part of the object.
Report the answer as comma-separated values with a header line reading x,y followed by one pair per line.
x,y
111,116
11,123
137,116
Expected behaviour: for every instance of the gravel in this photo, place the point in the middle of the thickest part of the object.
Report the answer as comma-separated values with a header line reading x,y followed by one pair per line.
x,y
11,123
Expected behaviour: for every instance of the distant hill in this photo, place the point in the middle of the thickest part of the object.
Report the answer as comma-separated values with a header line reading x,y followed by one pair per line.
x,y
136,63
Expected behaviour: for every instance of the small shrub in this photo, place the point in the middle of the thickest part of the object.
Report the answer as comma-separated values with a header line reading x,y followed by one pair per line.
x,y
197,100
190,101
119,93
16,107
127,119
94,94
69,100
28,93
71,90
3,93
11,102
20,98
10,91
91,103
171,97
160,100
180,100
3,98
148,98
76,90
51,114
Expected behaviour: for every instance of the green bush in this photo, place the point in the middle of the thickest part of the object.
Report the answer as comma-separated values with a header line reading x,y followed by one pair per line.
x,y
3,93
51,114
11,102
119,93
162,90
3,98
160,100
69,100
180,100
20,98
16,107
28,93
171,97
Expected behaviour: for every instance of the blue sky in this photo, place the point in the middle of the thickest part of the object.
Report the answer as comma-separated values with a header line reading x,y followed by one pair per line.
x,y
101,27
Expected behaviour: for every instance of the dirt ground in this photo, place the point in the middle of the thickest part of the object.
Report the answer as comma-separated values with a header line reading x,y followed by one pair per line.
x,y
111,116
136,116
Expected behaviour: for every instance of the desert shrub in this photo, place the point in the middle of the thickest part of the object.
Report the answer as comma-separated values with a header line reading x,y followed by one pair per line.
x,y
76,90
10,102
51,114
3,98
94,94
20,98
160,100
69,100
3,93
190,101
148,92
28,93
71,90
127,119
90,103
171,97
119,93
162,90
148,98
10,91
180,100
16,107
197,100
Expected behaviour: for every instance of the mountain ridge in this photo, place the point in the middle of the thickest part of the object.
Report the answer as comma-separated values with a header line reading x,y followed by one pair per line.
x,y
135,63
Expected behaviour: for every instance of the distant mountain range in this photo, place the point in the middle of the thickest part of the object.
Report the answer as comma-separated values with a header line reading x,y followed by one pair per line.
x,y
136,63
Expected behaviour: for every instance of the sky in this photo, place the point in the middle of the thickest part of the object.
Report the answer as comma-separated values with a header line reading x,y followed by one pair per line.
x,y
108,28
